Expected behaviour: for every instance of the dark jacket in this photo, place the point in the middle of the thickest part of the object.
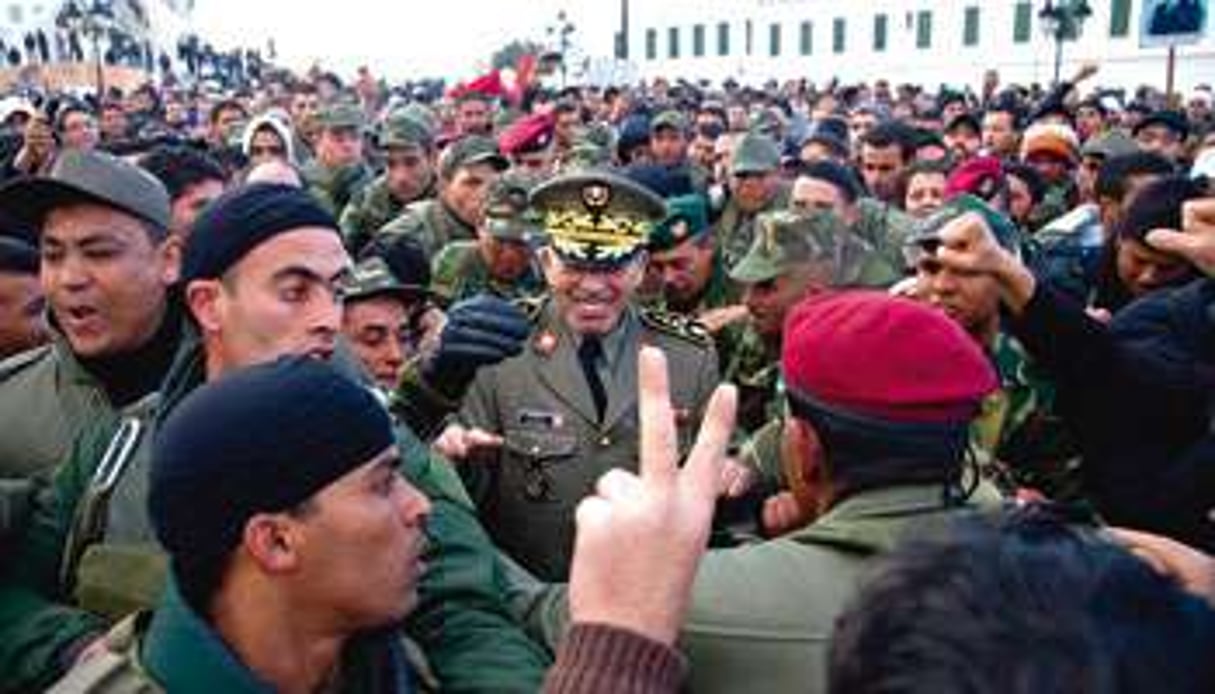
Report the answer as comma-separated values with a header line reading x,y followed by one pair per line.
x,y
1137,395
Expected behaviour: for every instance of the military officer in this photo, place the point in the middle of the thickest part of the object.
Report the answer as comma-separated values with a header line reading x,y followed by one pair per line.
x,y
500,261
755,187
565,411
467,168
338,170
692,267
409,176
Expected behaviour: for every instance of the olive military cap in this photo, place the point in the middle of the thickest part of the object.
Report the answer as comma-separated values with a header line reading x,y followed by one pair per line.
x,y
785,239
94,177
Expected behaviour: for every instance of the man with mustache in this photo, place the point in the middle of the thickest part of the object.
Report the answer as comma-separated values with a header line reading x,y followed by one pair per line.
x,y
107,262
564,412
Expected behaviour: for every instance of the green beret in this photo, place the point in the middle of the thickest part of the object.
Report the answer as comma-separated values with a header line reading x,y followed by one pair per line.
x,y
687,218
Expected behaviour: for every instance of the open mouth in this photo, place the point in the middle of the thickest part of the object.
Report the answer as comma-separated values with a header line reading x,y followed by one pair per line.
x,y
80,317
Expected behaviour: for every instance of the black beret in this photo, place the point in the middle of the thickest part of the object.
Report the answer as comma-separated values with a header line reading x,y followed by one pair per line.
x,y
244,218
260,440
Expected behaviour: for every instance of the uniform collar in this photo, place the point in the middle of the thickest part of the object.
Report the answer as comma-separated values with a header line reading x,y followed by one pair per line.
x,y
874,520
186,656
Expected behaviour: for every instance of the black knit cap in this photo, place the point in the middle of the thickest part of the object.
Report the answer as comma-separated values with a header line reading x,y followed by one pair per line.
x,y
244,218
1158,206
260,440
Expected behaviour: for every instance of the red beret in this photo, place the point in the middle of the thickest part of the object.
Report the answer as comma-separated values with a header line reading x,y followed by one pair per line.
x,y
871,354
529,134
980,177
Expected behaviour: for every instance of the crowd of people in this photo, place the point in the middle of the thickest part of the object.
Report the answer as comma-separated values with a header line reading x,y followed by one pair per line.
x,y
314,385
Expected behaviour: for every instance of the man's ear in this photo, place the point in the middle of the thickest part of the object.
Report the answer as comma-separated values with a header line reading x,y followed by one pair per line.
x,y
169,253
203,297
273,542
547,262
804,464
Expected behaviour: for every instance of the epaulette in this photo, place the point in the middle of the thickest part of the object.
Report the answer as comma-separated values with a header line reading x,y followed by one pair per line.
x,y
532,306
24,360
676,325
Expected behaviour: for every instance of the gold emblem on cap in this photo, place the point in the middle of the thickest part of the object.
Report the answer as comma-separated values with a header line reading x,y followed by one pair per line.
x,y
596,196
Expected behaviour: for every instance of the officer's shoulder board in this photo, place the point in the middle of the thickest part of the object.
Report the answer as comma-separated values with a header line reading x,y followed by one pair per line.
x,y
24,360
676,325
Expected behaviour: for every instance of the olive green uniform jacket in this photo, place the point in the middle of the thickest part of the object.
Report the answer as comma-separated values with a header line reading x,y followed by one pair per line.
x,y
555,448
60,587
46,399
761,615
174,650
335,188
371,208
430,224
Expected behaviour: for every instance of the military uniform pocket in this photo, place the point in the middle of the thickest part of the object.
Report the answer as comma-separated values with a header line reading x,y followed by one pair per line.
x,y
533,453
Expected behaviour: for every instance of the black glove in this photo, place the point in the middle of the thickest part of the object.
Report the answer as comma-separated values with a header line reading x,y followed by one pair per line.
x,y
480,331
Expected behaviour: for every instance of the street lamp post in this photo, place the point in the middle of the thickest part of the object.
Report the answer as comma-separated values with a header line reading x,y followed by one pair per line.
x,y
1063,21
562,31
94,23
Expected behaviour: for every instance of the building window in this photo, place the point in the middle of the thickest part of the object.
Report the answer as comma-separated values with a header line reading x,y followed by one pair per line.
x,y
673,43
839,35
880,22
698,40
14,14
622,47
1120,18
807,38
774,40
723,39
970,27
1022,18
923,29
651,44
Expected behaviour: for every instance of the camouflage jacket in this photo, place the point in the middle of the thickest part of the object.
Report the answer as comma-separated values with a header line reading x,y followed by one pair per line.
x,y
459,271
1020,439
371,208
754,367
735,229
428,222
334,188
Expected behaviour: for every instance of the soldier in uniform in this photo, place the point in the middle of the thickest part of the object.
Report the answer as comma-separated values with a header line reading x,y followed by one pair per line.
x,y
409,176
382,320
500,261
108,260
262,273
338,170
529,144
692,266
320,531
793,256
827,186
467,169
1021,440
755,187
565,411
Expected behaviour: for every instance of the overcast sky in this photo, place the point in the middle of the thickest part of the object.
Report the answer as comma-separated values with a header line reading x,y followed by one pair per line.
x,y
428,37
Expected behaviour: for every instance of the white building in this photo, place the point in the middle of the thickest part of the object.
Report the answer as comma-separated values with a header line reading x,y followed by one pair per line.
x,y
162,21
927,42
